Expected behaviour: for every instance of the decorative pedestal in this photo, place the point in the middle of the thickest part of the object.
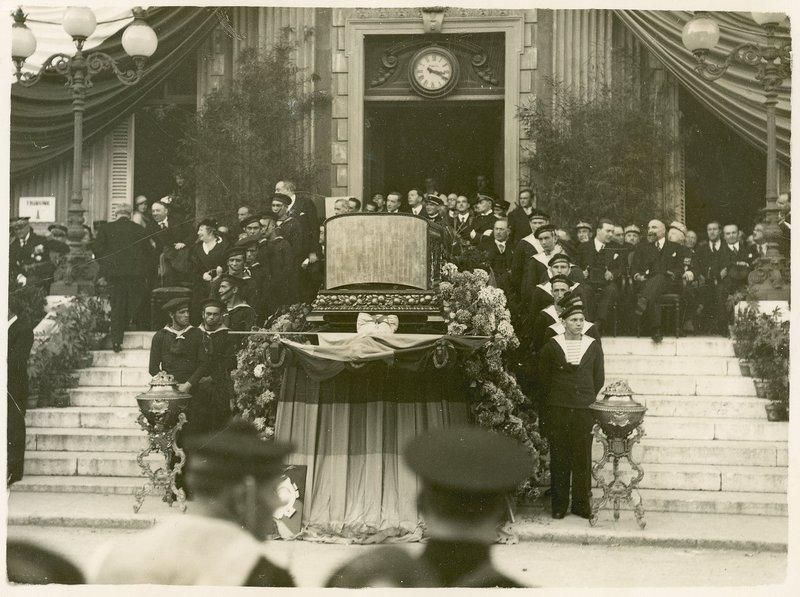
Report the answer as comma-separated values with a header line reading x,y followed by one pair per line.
x,y
162,417
618,428
616,491
162,480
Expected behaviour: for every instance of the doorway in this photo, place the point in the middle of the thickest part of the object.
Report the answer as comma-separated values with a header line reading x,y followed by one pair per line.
x,y
451,141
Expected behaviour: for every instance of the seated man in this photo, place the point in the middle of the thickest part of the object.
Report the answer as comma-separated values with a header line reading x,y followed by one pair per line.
x,y
658,269
735,267
601,265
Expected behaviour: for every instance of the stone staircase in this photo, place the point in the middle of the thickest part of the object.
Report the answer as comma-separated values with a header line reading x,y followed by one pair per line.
x,y
708,446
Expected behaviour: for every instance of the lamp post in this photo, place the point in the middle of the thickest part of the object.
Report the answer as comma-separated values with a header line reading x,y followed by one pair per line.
x,y
773,64
139,42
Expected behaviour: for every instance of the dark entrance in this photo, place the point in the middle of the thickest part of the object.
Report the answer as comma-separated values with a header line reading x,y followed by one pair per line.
x,y
405,142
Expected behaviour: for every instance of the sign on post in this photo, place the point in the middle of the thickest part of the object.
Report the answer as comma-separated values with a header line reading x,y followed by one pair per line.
x,y
38,209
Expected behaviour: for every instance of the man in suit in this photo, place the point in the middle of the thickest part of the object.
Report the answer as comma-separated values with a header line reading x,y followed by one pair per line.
x,y
462,220
519,218
29,255
484,219
394,203
124,255
415,205
500,253
20,342
171,240
735,267
707,264
303,210
601,266
658,269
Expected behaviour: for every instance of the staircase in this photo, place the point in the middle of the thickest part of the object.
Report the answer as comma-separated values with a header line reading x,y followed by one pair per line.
x,y
708,446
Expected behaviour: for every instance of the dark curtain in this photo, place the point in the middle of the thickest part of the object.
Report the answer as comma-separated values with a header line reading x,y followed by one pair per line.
x,y
737,98
41,115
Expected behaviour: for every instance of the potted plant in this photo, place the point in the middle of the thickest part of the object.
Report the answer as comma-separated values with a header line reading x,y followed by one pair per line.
x,y
744,332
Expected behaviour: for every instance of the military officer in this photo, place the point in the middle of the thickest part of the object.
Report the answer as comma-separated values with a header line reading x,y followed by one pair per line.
x,y
583,233
484,219
233,476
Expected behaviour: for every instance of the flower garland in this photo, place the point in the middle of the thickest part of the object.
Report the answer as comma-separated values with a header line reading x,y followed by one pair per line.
x,y
475,308
256,385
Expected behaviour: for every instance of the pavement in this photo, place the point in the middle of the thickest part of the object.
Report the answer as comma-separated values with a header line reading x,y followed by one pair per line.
x,y
673,530
556,565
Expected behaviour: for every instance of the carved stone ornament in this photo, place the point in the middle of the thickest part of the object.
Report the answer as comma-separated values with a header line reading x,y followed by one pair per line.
x,y
390,59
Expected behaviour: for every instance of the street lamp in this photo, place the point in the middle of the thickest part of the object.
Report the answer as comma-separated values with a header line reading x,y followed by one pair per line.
x,y
139,42
773,64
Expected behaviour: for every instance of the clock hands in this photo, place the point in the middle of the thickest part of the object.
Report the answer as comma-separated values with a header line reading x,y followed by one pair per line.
x,y
438,72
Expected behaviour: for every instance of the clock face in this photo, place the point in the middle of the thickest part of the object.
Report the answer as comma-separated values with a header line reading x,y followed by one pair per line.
x,y
433,72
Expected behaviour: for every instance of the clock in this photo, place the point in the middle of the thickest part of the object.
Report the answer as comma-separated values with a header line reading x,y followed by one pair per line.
x,y
433,72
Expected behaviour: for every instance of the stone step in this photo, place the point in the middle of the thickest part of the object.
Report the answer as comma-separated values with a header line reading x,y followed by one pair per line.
x,y
120,417
671,365
89,464
133,377
126,358
706,428
85,440
705,477
104,396
729,407
692,346
712,502
77,484
712,452
137,340
688,385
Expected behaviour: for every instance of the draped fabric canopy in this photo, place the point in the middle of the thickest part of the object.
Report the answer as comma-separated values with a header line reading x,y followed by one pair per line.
x,y
737,97
42,117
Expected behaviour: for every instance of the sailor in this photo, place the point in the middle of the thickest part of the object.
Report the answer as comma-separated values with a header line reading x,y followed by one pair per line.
x,y
240,316
216,388
233,476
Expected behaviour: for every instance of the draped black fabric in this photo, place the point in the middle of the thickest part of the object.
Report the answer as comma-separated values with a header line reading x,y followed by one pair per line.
x,y
42,117
737,98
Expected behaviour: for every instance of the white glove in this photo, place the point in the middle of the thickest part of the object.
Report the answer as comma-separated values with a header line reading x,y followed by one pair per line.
x,y
21,280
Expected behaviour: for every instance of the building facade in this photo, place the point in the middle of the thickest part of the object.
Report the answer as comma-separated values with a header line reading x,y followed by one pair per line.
x,y
390,118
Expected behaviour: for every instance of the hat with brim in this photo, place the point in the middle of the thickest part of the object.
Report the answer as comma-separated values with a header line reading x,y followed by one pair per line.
x,y
559,258
680,227
583,226
502,204
433,199
486,198
20,221
468,460
233,453
59,227
545,228
250,220
175,305
633,228
285,199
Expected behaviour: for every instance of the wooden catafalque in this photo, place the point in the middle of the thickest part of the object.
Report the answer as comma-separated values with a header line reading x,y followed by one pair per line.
x,y
381,263
618,428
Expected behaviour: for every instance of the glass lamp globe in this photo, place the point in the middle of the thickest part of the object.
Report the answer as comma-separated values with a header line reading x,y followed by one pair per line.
x,y
701,33
79,22
23,42
139,39
768,18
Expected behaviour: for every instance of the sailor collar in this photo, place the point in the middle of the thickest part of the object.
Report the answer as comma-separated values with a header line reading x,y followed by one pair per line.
x,y
586,342
534,242
179,335
545,259
551,311
242,304
222,328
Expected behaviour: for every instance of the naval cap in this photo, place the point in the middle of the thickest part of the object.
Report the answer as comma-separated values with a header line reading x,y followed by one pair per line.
x,y
469,460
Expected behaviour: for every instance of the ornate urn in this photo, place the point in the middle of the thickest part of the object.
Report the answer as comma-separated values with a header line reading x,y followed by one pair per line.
x,y
617,412
162,403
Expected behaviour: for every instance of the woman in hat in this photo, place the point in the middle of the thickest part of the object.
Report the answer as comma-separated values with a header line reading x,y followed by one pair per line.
x,y
571,373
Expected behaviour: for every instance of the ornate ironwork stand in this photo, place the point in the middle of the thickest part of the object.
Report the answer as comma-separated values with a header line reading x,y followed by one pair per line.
x,y
162,480
616,491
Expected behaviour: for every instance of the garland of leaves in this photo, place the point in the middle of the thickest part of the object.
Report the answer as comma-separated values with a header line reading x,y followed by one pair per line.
x,y
257,386
472,308
82,324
